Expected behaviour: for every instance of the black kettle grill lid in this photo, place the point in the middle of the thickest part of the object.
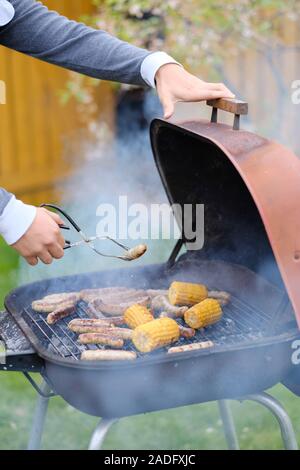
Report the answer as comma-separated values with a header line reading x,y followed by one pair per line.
x,y
250,188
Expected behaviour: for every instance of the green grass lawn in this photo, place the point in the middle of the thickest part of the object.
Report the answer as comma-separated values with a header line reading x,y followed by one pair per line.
x,y
9,262
193,427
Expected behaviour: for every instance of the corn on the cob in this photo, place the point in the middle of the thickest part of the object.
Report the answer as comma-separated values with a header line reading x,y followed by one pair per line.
x,y
205,313
137,315
155,334
186,293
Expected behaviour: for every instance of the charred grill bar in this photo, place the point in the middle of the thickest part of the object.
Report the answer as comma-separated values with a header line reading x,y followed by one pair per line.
x,y
233,173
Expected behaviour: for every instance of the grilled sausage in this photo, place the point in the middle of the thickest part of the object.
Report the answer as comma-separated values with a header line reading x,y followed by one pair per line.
x,y
187,332
79,329
156,292
111,295
117,321
90,294
108,309
87,325
112,321
93,312
124,295
190,347
106,355
161,303
136,252
51,302
90,321
106,340
61,312
118,309
122,333
221,296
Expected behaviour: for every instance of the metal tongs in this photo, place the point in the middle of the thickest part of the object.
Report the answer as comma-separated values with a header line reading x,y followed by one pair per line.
x,y
131,254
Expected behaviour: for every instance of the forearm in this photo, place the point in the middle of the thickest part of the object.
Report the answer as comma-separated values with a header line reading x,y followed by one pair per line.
x,y
46,35
4,199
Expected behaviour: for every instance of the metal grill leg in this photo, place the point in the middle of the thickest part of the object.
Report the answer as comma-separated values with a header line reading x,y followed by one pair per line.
x,y
228,425
39,418
286,427
100,433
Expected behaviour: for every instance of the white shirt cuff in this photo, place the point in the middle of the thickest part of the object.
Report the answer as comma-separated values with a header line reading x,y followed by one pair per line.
x,y
15,220
152,63
7,12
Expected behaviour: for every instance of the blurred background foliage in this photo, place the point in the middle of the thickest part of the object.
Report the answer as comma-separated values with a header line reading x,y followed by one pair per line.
x,y
196,32
202,35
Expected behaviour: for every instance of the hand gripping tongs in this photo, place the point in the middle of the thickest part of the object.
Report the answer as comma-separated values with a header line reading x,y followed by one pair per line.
x,y
131,254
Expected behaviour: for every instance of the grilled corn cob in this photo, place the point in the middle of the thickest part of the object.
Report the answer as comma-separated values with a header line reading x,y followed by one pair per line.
x,y
205,313
155,334
137,315
186,293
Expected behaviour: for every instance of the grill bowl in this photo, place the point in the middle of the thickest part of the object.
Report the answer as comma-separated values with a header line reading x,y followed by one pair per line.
x,y
253,357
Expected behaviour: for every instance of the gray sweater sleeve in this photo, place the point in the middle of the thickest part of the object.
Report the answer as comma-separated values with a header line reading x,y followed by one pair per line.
x,y
48,36
4,199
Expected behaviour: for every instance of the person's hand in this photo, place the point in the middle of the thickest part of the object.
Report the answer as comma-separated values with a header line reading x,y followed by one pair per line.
x,y
43,240
175,84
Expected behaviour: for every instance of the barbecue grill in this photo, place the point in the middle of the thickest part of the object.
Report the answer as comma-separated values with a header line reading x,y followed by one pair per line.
x,y
250,188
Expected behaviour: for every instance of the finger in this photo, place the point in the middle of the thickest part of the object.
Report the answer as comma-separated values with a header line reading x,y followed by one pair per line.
x,y
45,257
222,89
55,217
56,251
169,108
228,91
32,260
61,240
215,94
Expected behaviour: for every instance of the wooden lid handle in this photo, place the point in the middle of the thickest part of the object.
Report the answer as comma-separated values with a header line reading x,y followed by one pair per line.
x,y
236,107
230,105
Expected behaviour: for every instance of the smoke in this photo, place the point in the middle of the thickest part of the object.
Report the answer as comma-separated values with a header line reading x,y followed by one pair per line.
x,y
155,384
123,167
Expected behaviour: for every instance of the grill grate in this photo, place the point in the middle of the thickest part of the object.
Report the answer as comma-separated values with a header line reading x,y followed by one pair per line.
x,y
240,323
